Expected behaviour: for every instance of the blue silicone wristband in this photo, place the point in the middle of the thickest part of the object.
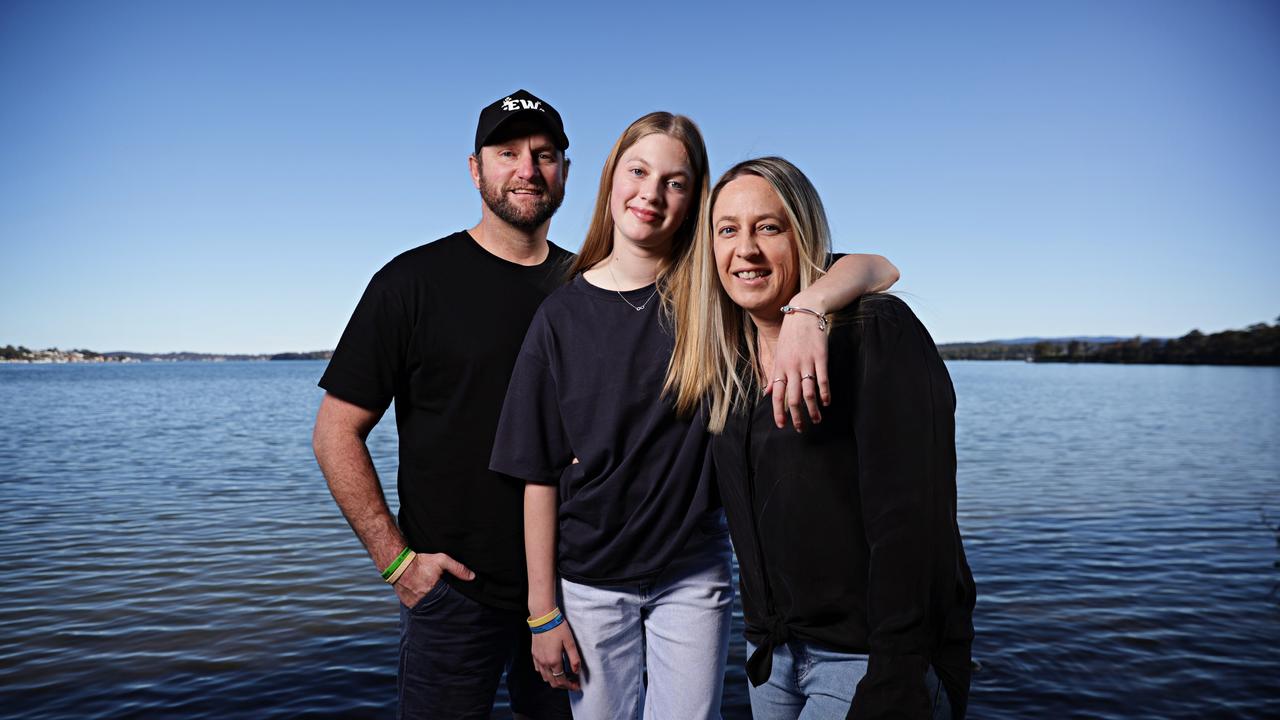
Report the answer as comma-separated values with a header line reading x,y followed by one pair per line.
x,y
548,626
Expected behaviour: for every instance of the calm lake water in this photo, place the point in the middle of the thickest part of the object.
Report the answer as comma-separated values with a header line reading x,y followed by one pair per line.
x,y
169,548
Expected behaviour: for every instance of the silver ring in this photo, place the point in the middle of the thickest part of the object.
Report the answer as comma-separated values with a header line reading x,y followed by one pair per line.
x,y
559,674
806,377
780,380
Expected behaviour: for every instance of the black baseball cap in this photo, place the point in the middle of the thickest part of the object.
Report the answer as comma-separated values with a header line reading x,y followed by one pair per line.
x,y
519,104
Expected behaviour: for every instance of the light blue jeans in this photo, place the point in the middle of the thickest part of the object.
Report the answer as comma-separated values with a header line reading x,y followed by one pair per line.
x,y
812,683
675,628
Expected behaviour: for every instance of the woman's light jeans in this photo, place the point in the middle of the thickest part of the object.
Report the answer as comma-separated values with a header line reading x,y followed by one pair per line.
x,y
676,628
812,683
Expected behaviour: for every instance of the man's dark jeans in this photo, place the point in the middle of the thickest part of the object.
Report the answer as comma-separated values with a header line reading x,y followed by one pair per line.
x,y
453,651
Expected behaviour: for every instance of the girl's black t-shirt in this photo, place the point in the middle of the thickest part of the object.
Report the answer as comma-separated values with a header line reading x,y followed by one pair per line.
x,y
588,385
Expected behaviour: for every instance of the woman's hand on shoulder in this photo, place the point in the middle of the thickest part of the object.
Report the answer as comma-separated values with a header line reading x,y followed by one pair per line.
x,y
800,361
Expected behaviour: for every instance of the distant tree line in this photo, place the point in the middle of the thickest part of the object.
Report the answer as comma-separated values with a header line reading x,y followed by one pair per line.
x,y
1257,344
985,351
317,355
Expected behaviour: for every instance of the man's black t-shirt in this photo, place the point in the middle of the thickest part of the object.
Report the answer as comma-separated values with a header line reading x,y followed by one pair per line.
x,y
588,385
438,329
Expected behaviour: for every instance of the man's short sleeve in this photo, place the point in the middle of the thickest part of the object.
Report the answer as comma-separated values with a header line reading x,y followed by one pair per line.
x,y
368,366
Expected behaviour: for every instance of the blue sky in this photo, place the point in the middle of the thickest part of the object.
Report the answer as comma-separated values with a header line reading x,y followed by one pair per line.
x,y
225,177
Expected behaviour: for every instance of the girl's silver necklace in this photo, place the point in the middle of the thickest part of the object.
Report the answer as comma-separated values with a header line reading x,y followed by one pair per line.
x,y
624,297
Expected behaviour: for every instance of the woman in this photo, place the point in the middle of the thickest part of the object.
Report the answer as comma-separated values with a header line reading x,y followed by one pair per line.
x,y
855,588
619,497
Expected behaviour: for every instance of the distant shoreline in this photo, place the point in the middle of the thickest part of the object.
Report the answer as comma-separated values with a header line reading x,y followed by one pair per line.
x,y
1258,344
54,356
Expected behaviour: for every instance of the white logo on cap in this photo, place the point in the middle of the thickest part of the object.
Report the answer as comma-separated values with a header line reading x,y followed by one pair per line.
x,y
508,104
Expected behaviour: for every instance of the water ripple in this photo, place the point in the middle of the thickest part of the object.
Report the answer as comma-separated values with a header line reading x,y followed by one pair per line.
x,y
172,550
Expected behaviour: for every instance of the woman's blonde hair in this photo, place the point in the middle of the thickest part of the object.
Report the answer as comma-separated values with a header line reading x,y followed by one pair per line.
x,y
599,241
716,343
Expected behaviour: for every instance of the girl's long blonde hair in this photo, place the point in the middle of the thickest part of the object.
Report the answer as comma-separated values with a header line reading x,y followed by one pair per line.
x,y
599,241
716,342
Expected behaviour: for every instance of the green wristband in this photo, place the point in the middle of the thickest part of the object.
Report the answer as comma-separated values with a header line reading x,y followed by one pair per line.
x,y
396,563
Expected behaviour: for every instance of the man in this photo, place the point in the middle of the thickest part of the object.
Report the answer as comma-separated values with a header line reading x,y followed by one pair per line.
x,y
438,330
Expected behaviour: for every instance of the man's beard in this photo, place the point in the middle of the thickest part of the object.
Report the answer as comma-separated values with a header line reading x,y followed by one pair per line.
x,y
527,219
